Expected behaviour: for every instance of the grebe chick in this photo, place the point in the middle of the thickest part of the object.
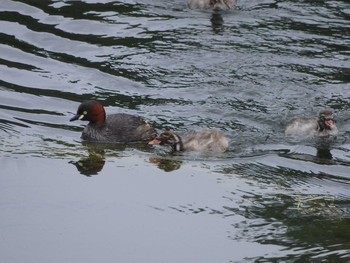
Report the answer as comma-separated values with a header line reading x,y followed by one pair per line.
x,y
200,141
211,4
323,126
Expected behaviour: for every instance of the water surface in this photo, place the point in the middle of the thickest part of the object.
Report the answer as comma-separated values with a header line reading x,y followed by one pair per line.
x,y
247,72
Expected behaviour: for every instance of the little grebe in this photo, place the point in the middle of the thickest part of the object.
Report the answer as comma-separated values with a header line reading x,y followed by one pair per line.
x,y
323,126
211,4
202,141
115,128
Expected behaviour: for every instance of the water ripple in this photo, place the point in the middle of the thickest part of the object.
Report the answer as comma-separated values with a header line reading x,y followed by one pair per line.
x,y
247,72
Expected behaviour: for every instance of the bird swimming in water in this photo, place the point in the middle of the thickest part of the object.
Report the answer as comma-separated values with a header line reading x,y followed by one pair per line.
x,y
200,141
323,126
114,128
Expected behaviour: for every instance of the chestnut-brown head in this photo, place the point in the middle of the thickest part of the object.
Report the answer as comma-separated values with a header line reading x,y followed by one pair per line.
x,y
326,120
169,138
91,111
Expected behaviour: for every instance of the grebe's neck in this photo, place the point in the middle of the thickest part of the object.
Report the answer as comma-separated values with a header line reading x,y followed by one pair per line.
x,y
177,146
97,114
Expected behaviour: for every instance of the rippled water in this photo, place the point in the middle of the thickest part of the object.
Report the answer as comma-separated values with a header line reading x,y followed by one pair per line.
x,y
247,71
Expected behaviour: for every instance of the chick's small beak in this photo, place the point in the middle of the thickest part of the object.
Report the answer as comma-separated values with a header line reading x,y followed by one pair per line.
x,y
329,123
155,141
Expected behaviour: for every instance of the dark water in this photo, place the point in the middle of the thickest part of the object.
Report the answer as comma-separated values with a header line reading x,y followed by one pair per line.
x,y
247,72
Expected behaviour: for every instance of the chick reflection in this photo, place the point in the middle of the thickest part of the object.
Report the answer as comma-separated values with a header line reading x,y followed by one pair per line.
x,y
217,22
166,165
324,154
323,147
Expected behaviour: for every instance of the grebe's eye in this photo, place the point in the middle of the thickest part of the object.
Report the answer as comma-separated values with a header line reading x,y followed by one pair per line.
x,y
85,112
